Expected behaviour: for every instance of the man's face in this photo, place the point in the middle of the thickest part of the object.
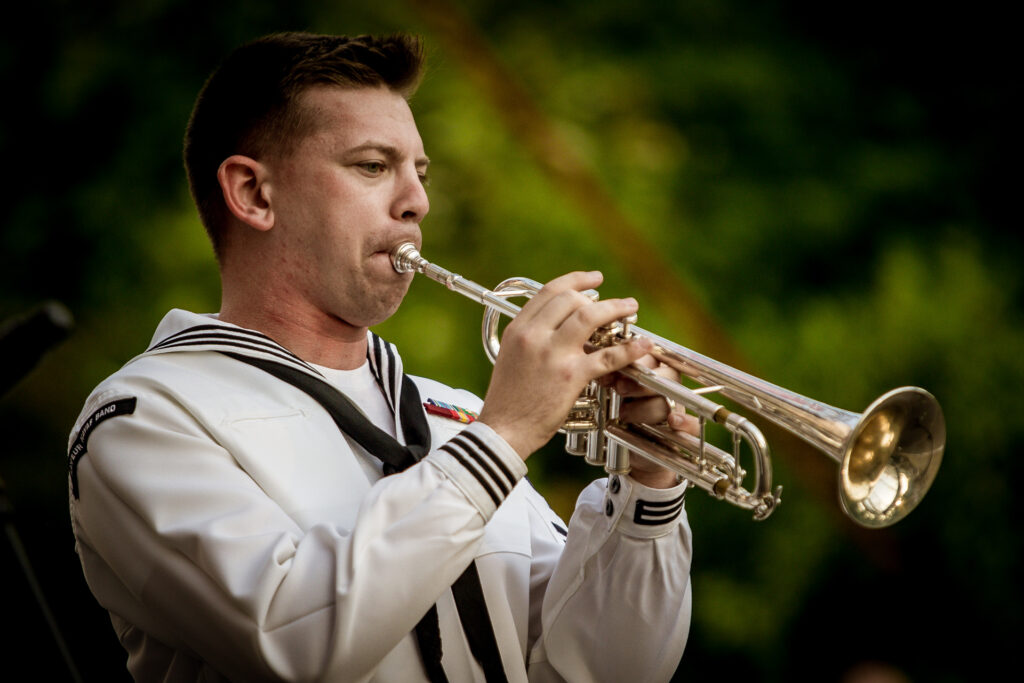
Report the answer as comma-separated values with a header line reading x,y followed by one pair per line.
x,y
346,194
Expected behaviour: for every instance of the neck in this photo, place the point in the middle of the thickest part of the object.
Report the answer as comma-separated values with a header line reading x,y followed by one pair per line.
x,y
324,341
312,334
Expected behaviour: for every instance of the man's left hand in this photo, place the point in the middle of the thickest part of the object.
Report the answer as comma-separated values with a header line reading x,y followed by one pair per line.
x,y
641,405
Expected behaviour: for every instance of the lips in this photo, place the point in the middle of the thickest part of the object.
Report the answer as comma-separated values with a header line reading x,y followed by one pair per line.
x,y
392,244
385,257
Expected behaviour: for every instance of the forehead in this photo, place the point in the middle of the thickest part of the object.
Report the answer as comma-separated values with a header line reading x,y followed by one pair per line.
x,y
350,116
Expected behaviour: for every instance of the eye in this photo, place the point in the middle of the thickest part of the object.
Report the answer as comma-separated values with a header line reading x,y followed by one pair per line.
x,y
424,179
372,168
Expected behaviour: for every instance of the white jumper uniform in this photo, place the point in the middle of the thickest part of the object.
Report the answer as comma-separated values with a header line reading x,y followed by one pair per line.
x,y
234,533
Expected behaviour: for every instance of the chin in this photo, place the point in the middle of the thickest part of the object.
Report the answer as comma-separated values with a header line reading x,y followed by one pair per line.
x,y
379,310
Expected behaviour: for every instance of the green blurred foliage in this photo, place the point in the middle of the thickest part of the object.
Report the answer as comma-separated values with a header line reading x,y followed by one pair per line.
x,y
832,182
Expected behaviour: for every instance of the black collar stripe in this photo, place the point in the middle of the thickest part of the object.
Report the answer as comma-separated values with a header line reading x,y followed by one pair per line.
x,y
229,336
256,342
385,367
220,328
392,369
375,354
373,351
379,352
487,485
509,478
198,339
221,343
229,331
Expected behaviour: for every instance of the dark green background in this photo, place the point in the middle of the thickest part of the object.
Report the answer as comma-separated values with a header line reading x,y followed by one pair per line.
x,y
832,192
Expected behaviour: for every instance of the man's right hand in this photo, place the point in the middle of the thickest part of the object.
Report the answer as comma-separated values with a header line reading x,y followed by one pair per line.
x,y
542,366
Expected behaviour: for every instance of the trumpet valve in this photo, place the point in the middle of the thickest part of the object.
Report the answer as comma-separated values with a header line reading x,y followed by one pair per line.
x,y
617,332
576,442
583,417
627,323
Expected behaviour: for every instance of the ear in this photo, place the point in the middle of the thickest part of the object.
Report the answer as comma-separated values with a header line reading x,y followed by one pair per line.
x,y
243,180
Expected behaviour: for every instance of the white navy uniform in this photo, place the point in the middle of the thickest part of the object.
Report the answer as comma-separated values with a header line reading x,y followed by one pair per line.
x,y
234,533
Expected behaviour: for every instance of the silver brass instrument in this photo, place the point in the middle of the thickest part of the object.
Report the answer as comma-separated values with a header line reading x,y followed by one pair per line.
x,y
888,455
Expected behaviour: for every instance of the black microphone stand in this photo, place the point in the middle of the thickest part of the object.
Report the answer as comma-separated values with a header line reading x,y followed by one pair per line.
x,y
29,337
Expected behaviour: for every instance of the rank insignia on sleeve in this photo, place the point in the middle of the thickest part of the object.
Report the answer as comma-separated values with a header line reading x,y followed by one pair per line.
x,y
452,412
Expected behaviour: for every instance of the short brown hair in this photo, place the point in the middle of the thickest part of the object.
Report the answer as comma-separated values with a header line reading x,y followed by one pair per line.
x,y
248,105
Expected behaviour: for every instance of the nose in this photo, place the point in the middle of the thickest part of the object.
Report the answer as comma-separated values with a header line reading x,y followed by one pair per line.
x,y
411,201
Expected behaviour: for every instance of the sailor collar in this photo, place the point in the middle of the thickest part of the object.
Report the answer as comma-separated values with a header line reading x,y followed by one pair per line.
x,y
184,331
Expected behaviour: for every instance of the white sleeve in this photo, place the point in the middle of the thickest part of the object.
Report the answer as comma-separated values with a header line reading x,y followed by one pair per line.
x,y
617,606
177,538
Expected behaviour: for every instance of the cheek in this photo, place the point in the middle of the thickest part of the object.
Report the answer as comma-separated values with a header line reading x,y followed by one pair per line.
x,y
332,215
347,209
314,188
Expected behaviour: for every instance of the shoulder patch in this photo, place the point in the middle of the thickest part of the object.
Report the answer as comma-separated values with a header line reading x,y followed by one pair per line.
x,y
124,406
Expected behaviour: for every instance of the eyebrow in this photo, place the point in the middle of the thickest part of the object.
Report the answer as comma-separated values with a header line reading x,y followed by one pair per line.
x,y
389,151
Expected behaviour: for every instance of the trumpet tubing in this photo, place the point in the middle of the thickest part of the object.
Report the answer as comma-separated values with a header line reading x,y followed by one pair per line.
x,y
887,455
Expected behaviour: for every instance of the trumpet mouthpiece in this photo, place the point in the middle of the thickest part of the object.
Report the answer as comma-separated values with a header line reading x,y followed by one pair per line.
x,y
405,258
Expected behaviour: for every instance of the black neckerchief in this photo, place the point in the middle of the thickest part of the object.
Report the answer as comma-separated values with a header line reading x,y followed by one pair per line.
x,y
467,590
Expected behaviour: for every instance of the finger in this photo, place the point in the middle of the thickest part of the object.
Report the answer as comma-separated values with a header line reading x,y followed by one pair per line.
x,y
682,422
649,410
649,361
613,358
659,410
585,319
576,281
629,387
626,386
552,312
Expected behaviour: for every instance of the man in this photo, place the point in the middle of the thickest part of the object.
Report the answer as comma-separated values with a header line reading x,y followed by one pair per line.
x,y
241,519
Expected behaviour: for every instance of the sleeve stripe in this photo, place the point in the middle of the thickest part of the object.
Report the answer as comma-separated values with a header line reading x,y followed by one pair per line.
x,y
662,514
509,477
474,471
485,458
658,512
483,468
678,500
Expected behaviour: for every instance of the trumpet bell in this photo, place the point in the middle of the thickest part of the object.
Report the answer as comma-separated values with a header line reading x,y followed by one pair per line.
x,y
891,456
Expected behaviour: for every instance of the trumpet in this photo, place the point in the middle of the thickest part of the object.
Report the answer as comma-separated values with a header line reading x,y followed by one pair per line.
x,y
888,455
